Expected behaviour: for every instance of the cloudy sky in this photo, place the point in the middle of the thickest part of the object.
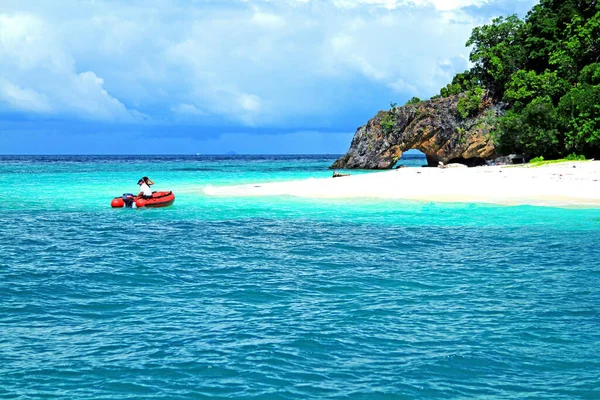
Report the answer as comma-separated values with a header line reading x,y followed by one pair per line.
x,y
213,76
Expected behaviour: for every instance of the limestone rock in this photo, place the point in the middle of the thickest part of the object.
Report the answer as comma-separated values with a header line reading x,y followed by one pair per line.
x,y
433,127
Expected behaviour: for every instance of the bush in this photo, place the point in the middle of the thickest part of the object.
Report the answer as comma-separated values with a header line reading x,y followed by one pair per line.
x,y
575,157
470,103
414,100
387,123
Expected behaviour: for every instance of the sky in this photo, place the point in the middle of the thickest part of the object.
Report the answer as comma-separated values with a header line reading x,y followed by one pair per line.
x,y
219,76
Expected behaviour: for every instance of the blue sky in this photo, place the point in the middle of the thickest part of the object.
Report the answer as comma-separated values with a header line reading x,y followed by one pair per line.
x,y
208,76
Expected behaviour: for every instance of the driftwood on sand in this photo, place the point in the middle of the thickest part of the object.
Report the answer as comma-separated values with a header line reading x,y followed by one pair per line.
x,y
338,175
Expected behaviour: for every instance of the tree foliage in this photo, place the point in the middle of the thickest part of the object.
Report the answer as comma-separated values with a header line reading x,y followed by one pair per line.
x,y
498,52
546,70
461,83
580,115
532,130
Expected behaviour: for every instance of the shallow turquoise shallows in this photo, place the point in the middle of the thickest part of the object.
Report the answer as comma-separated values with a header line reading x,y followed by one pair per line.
x,y
285,298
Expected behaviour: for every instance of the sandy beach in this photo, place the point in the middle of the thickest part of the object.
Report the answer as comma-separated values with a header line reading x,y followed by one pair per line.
x,y
562,184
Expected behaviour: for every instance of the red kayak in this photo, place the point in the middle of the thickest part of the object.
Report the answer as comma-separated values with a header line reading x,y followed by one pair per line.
x,y
159,199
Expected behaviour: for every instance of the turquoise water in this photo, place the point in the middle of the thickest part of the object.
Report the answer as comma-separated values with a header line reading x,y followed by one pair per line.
x,y
285,298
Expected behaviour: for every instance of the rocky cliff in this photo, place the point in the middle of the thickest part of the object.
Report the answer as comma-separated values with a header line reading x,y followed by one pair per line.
x,y
433,127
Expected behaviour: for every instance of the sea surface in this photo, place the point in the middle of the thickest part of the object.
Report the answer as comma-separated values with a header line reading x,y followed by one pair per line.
x,y
281,297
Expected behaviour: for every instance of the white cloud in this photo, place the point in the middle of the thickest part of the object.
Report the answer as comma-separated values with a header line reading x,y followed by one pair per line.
x,y
269,21
442,5
255,62
249,102
401,86
86,96
38,75
260,77
400,50
24,99
449,5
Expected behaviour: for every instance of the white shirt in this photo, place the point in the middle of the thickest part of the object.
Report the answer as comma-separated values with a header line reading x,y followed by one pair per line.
x,y
145,189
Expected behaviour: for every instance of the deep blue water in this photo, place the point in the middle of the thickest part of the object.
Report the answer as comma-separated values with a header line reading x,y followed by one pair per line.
x,y
285,298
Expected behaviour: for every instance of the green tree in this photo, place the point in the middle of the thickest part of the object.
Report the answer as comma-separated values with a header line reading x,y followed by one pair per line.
x,y
498,52
590,74
461,83
545,72
580,47
524,86
414,100
533,131
580,117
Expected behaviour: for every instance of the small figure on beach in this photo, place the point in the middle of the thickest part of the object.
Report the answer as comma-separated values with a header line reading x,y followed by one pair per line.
x,y
145,191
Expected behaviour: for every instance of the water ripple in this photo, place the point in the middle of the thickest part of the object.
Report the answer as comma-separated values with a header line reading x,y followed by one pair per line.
x,y
264,299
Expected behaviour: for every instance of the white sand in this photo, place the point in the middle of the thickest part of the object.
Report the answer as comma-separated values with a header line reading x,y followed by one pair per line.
x,y
564,184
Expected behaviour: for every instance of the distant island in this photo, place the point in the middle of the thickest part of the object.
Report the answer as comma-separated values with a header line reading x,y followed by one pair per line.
x,y
534,89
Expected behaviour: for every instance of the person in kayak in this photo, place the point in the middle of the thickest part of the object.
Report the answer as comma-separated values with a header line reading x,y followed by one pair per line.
x,y
145,184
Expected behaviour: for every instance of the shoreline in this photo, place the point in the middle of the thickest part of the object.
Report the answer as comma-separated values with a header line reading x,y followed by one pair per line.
x,y
563,184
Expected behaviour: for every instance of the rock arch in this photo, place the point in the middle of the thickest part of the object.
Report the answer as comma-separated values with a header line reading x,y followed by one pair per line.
x,y
432,127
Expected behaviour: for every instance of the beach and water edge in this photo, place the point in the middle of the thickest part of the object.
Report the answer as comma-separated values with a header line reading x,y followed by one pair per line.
x,y
563,184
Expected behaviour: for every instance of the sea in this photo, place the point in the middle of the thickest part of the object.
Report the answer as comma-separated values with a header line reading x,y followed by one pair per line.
x,y
285,297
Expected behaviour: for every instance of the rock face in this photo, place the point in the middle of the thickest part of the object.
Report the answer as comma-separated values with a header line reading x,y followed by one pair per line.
x,y
433,127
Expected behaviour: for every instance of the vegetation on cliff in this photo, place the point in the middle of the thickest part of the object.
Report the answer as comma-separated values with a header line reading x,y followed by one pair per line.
x,y
545,70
